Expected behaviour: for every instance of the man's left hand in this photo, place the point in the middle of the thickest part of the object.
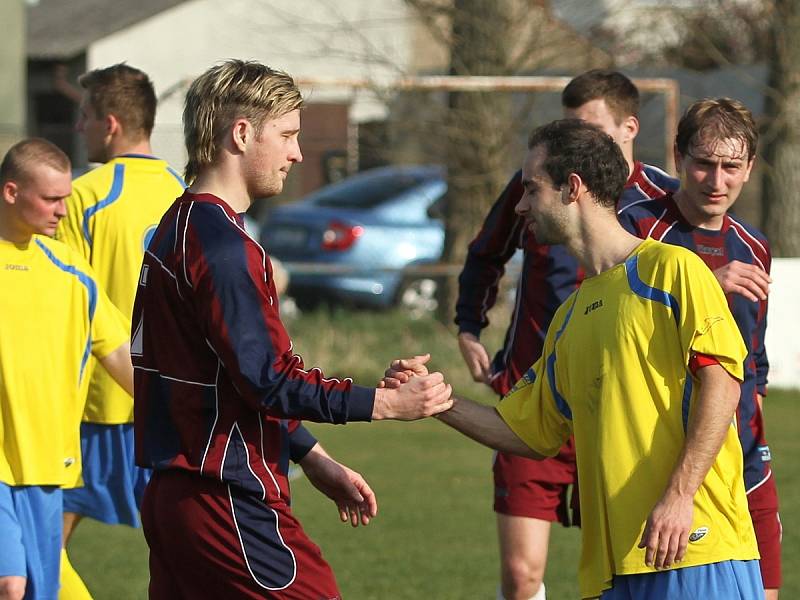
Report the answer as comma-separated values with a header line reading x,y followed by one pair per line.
x,y
347,488
666,534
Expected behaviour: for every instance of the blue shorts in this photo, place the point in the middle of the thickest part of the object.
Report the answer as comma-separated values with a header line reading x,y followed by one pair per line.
x,y
112,483
30,530
730,579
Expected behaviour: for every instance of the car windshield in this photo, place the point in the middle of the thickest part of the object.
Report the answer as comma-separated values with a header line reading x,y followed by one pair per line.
x,y
367,192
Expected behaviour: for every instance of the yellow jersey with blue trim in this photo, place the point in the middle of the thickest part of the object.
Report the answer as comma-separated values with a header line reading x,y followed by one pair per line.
x,y
55,315
614,371
111,215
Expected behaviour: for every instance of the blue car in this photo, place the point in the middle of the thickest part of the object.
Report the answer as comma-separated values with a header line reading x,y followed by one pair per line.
x,y
354,241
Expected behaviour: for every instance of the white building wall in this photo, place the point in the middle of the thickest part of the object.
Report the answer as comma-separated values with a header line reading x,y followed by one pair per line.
x,y
307,38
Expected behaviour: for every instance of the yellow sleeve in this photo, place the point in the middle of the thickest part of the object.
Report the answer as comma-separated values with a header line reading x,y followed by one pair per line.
x,y
70,228
530,409
706,323
110,328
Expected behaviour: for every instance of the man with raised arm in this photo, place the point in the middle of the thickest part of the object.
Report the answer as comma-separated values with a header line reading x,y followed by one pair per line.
x,y
219,391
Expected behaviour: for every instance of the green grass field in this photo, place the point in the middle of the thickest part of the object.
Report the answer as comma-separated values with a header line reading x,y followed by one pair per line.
x,y
434,536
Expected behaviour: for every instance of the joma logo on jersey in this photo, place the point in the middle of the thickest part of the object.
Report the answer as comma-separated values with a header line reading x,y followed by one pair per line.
x,y
698,534
10,267
593,306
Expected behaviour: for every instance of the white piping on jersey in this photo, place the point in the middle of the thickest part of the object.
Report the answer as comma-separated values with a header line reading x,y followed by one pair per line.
x,y
657,221
247,460
739,229
162,265
183,244
167,271
216,418
634,203
263,454
322,375
244,554
174,378
760,483
650,181
667,230
177,221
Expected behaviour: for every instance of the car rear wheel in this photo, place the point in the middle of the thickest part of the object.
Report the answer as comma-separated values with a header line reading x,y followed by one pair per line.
x,y
417,297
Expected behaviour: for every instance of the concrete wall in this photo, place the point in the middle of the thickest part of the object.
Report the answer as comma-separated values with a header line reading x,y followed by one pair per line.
x,y
783,324
315,38
13,67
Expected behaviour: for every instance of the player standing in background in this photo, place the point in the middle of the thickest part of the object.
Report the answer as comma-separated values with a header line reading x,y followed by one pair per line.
x,y
219,392
529,494
111,214
642,363
55,314
714,151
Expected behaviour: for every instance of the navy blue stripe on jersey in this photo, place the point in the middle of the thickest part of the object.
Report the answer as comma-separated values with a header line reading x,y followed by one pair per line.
x,y
112,196
269,560
640,288
561,402
91,289
686,400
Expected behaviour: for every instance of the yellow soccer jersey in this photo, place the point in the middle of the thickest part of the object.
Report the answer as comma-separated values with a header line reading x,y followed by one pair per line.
x,y
614,372
111,215
54,316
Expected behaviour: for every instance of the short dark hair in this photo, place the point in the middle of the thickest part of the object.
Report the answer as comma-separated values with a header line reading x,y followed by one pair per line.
x,y
19,159
718,119
125,92
575,146
619,92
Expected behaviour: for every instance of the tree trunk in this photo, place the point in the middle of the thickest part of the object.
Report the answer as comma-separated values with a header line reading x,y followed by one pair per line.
x,y
477,124
781,219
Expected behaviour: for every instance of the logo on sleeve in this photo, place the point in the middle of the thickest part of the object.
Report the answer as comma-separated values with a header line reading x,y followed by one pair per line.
x,y
698,534
766,456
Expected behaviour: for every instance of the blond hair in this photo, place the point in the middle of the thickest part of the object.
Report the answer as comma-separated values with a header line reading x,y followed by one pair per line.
x,y
23,156
226,92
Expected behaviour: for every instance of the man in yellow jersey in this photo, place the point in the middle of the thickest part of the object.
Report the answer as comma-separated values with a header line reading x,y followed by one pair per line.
x,y
55,315
642,364
111,213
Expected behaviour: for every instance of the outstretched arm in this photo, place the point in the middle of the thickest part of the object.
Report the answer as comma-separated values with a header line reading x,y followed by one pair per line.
x,y
349,491
666,534
484,425
118,364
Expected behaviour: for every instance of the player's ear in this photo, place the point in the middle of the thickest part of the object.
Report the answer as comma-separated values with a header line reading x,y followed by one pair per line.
x,y
10,190
630,127
573,187
241,134
112,124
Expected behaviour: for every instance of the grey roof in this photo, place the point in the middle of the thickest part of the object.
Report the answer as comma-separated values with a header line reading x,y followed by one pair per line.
x,y
62,29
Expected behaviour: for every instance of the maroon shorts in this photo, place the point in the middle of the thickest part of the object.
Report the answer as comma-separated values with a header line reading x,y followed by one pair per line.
x,y
538,489
763,504
211,540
